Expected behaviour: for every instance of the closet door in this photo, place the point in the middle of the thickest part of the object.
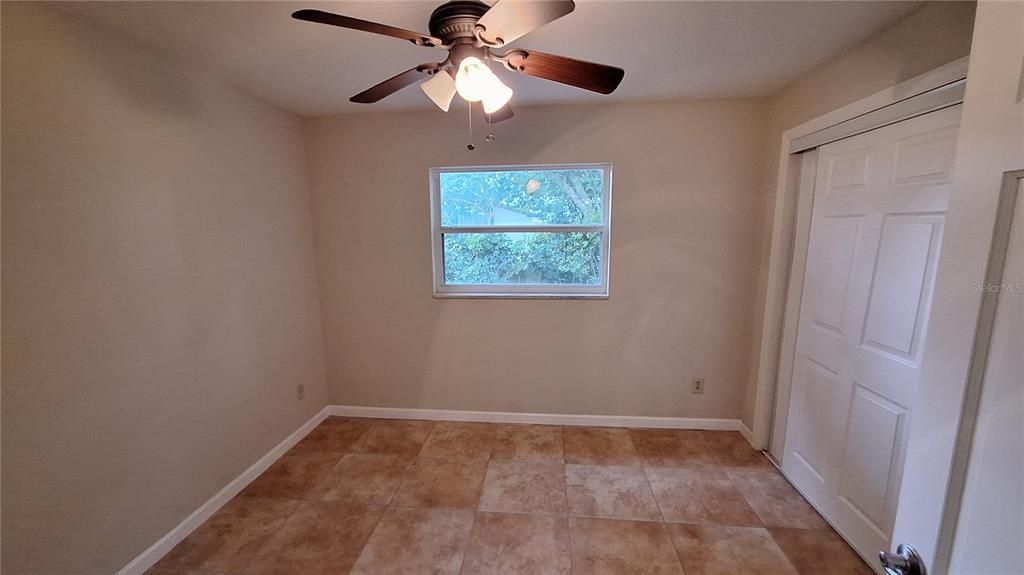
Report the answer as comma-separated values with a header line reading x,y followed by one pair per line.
x,y
880,200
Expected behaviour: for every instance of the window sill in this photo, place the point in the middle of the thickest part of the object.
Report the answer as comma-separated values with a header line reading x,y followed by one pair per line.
x,y
493,295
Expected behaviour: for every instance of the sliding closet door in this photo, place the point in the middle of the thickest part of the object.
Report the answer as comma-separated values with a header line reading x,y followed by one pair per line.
x,y
879,204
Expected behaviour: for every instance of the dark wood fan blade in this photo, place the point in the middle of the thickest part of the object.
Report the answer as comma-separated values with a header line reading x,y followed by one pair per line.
x,y
511,19
322,17
392,84
503,113
587,75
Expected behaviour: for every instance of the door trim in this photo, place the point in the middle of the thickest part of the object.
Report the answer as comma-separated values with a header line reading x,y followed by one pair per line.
x,y
1009,195
794,295
787,218
917,105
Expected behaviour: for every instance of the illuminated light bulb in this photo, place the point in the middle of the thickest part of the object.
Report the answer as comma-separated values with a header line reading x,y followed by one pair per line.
x,y
472,79
476,83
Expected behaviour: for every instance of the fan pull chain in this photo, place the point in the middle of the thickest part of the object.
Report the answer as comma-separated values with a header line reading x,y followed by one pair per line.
x,y
470,145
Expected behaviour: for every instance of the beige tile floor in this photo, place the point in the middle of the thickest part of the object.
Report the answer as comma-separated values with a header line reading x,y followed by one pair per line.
x,y
391,496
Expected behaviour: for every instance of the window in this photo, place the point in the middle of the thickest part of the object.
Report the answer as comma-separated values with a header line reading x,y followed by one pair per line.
x,y
521,231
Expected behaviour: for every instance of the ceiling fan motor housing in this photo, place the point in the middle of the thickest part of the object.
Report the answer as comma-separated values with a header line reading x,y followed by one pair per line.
x,y
454,21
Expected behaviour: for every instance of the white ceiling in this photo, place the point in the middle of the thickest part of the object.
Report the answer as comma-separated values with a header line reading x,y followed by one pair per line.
x,y
668,49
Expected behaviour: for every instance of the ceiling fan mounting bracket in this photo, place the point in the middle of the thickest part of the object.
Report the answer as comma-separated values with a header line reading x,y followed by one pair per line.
x,y
457,20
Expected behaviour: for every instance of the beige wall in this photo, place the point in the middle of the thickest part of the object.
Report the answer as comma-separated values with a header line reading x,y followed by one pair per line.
x,y
685,209
159,296
935,34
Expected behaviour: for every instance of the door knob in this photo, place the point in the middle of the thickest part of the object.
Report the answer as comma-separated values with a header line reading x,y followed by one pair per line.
x,y
905,561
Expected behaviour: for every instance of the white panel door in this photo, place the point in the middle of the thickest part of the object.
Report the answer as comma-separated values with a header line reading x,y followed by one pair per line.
x,y
879,203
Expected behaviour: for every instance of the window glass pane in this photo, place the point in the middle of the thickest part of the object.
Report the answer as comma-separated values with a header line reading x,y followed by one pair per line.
x,y
522,197
547,258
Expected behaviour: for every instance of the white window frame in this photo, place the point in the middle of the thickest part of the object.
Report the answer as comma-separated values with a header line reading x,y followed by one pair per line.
x,y
437,232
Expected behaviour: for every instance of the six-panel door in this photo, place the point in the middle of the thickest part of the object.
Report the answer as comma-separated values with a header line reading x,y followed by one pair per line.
x,y
879,204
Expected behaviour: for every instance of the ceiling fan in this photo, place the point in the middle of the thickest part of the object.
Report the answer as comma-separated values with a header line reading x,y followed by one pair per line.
x,y
471,31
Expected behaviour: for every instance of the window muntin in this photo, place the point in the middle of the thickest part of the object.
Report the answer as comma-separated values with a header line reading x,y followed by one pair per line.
x,y
521,231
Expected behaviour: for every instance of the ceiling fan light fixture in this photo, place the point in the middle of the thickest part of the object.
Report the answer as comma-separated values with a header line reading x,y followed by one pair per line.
x,y
475,82
496,96
440,88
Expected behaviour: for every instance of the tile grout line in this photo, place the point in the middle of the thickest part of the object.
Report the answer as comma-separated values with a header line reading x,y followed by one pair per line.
x,y
565,485
385,507
657,502
784,553
408,468
661,511
472,527
469,540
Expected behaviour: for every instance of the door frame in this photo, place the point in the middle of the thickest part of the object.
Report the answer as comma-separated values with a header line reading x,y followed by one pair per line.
x,y
1011,192
939,88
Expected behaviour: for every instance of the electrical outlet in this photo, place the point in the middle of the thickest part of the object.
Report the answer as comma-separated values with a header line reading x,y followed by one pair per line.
x,y
300,391
697,386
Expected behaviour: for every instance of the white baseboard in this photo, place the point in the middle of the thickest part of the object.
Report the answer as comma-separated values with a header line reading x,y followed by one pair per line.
x,y
537,418
150,556
746,433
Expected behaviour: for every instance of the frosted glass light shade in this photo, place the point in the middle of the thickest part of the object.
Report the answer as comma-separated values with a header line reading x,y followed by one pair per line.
x,y
496,95
440,88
